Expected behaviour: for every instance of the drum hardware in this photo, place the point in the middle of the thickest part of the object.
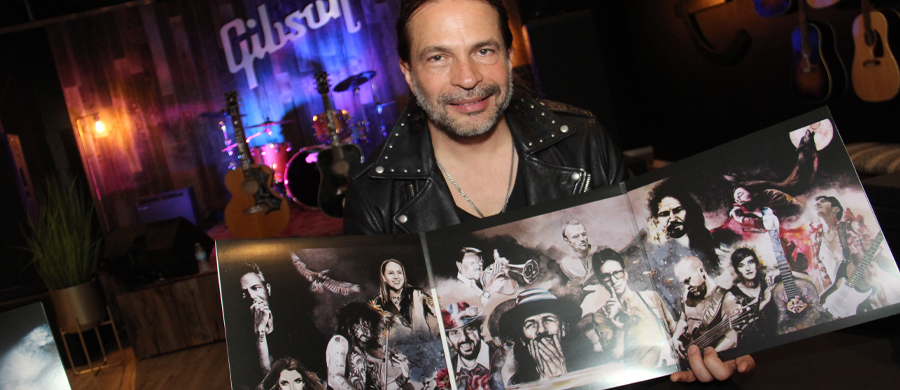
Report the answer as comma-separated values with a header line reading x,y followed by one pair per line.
x,y
273,155
232,146
301,177
216,114
320,124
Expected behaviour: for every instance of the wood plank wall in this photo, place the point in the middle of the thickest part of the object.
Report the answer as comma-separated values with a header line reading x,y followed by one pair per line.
x,y
150,71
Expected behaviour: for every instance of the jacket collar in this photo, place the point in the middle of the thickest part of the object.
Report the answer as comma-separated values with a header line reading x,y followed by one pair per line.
x,y
407,152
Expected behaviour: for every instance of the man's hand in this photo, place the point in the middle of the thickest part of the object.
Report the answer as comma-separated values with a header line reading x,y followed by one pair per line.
x,y
707,367
547,353
262,317
611,309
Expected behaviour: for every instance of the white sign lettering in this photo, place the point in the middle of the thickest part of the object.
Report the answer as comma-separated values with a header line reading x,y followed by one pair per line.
x,y
294,26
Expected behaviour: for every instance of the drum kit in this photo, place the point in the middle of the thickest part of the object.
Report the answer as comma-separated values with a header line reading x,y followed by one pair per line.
x,y
297,173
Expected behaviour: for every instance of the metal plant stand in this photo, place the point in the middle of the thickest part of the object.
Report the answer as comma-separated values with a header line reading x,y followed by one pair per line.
x,y
91,366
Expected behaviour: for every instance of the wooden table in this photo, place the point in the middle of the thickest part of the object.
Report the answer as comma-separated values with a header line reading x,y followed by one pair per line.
x,y
174,314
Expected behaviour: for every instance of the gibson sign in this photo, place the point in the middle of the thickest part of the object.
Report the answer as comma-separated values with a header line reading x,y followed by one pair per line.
x,y
276,35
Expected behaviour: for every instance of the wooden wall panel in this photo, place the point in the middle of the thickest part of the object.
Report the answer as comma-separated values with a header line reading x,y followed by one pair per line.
x,y
150,71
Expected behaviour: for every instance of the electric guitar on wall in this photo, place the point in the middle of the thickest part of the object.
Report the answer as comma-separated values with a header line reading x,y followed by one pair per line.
x,y
254,211
813,80
843,298
334,162
796,299
875,74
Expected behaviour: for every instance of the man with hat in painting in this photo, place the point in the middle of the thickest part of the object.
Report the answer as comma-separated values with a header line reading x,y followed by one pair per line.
x,y
538,326
471,354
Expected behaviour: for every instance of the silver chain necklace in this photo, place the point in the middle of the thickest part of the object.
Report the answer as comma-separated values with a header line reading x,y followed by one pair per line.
x,y
512,161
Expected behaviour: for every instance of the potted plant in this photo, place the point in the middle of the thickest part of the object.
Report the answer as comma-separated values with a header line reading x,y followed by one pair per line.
x,y
65,247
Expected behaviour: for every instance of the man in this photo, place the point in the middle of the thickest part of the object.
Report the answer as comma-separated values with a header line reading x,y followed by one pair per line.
x,y
470,268
538,325
354,355
578,267
706,305
639,321
477,364
678,218
470,143
466,115
836,242
255,290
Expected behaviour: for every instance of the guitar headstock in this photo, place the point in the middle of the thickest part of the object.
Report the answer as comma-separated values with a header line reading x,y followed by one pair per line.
x,y
231,103
770,220
322,82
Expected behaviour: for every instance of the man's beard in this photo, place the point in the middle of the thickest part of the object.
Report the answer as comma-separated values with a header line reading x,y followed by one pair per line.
x,y
438,114
697,291
546,350
473,352
675,229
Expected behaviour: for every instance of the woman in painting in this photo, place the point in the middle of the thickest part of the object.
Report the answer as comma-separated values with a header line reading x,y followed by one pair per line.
x,y
289,374
408,306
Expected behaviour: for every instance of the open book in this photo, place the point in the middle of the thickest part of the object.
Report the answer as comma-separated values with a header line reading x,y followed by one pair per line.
x,y
760,242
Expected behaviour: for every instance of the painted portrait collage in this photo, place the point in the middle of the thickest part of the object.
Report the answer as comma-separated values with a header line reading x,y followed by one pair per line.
x,y
763,241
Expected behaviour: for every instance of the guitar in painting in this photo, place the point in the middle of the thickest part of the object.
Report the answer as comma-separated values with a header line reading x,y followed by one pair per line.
x,y
843,298
711,335
875,74
796,299
254,211
770,8
334,162
817,72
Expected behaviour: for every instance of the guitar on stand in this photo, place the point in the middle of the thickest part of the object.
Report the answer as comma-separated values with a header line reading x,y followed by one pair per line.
x,y
797,299
843,298
335,161
254,211
875,74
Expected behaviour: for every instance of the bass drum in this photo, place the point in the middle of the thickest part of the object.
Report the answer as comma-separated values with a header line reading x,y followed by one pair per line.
x,y
301,177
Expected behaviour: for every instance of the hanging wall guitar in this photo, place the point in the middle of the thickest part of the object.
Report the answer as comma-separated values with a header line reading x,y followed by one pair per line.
x,y
334,162
254,211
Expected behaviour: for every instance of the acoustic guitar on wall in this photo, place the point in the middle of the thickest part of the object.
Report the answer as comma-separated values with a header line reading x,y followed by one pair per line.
x,y
817,72
770,8
254,211
876,77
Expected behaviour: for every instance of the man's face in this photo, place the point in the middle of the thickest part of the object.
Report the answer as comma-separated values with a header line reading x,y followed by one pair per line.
x,y
576,236
393,275
466,340
825,208
692,276
471,265
362,332
748,268
290,380
542,325
741,195
254,288
613,276
459,71
671,215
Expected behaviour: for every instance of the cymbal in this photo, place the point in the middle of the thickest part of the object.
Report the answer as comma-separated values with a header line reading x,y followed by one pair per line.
x,y
270,123
354,81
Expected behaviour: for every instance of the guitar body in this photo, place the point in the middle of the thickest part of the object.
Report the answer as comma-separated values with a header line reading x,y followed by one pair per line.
x,y
770,8
255,225
819,4
841,300
790,315
822,75
875,74
332,186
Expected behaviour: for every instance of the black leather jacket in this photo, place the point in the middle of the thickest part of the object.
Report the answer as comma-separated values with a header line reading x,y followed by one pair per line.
x,y
564,151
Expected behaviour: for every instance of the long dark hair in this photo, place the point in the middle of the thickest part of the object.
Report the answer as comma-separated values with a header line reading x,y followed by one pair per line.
x,y
287,363
702,241
353,312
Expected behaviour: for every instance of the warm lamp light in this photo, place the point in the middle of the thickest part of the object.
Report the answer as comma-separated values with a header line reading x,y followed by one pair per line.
x,y
98,125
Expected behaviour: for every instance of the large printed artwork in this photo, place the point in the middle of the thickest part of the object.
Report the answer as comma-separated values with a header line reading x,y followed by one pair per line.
x,y
760,242
329,313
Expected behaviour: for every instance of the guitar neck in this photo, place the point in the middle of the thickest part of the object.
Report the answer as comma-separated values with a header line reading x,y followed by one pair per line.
x,y
233,110
867,19
787,278
870,254
716,332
